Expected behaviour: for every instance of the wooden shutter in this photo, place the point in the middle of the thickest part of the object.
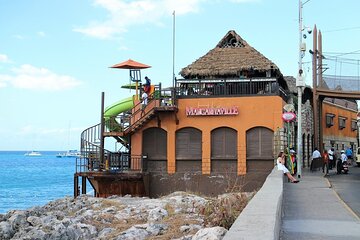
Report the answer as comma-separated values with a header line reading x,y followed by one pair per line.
x,y
155,143
224,143
259,143
188,144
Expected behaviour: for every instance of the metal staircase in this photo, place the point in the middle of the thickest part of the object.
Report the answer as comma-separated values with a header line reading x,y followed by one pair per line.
x,y
95,158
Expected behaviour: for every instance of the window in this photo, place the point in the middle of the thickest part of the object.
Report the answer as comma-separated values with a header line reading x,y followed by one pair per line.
x,y
329,120
353,125
342,122
224,143
188,144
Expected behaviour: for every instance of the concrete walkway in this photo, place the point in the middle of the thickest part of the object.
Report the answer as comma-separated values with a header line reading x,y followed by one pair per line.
x,y
313,210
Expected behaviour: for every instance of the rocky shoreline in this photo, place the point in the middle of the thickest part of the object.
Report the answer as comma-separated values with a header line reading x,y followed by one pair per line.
x,y
180,215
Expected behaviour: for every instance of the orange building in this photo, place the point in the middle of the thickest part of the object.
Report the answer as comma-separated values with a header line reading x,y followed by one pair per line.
x,y
217,130
339,121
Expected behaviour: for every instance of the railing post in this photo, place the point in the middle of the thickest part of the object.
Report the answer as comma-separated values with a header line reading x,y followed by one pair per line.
x,y
102,130
174,93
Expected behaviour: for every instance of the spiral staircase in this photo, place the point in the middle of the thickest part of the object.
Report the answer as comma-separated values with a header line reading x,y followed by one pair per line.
x,y
111,172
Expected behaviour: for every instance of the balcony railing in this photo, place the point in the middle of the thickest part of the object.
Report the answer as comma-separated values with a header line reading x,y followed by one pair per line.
x,y
114,162
194,88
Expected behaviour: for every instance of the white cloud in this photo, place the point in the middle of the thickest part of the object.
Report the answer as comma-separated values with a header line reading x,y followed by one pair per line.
x,y
41,34
4,59
4,79
20,37
123,14
30,77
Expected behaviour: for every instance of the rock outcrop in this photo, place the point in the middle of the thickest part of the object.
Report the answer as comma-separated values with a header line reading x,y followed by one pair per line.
x,y
176,216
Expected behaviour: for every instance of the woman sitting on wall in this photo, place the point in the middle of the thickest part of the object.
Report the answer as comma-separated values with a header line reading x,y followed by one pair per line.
x,y
281,166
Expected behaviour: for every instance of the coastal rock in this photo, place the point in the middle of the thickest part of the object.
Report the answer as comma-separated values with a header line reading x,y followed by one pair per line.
x,y
156,229
134,233
6,231
175,216
103,234
214,233
190,228
157,214
18,219
187,237
33,220
30,233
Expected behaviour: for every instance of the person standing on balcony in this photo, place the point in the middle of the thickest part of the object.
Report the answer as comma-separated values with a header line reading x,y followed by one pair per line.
x,y
144,101
147,85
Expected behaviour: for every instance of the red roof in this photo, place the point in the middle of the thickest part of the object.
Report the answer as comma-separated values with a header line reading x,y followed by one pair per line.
x,y
130,64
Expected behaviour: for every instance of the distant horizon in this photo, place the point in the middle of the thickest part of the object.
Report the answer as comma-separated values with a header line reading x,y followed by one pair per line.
x,y
36,150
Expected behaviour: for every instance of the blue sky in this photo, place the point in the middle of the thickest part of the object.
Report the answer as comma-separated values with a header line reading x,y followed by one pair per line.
x,y
55,55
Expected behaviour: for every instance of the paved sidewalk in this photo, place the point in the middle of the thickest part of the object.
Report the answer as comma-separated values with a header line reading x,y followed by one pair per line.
x,y
313,210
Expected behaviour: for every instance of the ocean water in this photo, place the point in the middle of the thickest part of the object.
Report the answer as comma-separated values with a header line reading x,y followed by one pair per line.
x,y
33,181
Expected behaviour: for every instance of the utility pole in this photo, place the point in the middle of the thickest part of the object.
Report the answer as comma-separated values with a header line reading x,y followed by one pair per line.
x,y
300,83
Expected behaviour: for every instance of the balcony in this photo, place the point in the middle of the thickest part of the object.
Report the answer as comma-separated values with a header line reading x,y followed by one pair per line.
x,y
200,88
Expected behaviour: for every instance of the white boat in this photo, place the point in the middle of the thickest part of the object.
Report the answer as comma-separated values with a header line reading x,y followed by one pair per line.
x,y
70,153
33,154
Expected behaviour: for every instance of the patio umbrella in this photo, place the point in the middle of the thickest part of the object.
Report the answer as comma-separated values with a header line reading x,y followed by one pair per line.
x,y
134,68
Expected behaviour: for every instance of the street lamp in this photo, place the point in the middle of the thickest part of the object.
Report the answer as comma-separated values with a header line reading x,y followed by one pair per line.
x,y
300,83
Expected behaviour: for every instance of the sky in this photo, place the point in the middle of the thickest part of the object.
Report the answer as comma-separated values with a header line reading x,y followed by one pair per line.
x,y
55,55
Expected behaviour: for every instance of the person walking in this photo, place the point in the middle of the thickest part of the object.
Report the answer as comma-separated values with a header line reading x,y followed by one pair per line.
x,y
349,154
331,155
325,157
316,160
343,159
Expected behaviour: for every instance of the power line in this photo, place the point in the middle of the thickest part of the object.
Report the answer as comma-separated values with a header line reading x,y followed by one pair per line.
x,y
341,29
337,55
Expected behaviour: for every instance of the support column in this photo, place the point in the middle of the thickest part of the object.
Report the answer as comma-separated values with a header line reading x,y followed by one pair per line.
x,y
241,151
206,153
171,158
76,185
102,129
83,185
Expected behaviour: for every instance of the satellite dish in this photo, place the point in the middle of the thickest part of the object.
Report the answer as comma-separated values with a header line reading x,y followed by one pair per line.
x,y
289,108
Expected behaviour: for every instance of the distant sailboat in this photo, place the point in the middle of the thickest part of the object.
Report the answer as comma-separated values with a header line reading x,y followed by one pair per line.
x,y
33,154
70,153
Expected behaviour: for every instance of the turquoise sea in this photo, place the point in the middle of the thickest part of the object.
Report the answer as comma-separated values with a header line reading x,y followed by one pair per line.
x,y
27,181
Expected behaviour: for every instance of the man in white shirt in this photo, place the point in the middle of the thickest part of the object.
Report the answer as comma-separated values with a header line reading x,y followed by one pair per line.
x,y
339,166
316,154
316,160
144,101
331,158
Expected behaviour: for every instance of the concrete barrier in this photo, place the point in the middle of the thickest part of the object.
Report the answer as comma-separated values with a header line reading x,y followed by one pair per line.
x,y
261,218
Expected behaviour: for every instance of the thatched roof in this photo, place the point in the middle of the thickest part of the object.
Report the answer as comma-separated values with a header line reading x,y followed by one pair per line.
x,y
231,56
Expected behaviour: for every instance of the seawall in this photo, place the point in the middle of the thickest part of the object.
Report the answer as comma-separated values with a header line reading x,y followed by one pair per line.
x,y
261,218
